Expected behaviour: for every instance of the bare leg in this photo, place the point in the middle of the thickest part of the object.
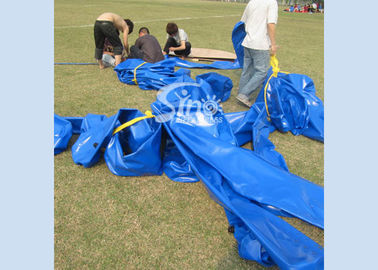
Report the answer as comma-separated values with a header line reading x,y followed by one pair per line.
x,y
118,59
100,64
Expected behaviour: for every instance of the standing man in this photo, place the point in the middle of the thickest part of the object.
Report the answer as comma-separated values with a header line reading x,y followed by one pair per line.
x,y
108,26
146,47
260,19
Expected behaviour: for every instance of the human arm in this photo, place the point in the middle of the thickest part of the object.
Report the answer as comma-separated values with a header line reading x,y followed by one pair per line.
x,y
183,37
272,37
181,47
272,21
125,34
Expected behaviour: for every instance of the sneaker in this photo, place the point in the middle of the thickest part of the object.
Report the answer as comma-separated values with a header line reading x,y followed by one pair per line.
x,y
244,100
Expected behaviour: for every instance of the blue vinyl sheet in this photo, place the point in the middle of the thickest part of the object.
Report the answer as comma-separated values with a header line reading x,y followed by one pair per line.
x,y
293,105
292,101
62,134
76,123
243,183
154,76
135,150
191,139
253,126
237,37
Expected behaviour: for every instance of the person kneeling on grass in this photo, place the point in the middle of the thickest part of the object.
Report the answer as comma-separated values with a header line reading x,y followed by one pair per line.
x,y
177,41
146,47
108,26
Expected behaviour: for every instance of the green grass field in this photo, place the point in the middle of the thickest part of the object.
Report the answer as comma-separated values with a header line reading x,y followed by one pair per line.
x,y
103,221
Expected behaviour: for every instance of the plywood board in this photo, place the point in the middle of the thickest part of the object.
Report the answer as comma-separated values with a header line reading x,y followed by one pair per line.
x,y
209,54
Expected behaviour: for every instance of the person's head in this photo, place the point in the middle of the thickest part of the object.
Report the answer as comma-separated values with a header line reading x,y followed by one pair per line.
x,y
130,24
172,29
143,31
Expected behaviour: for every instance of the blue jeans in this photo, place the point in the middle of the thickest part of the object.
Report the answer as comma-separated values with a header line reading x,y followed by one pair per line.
x,y
255,69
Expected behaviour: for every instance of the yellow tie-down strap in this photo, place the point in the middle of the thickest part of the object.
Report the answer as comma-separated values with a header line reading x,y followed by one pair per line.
x,y
135,69
276,69
148,114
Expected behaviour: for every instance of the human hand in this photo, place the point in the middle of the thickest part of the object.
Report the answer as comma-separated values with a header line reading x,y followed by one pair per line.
x,y
172,49
273,49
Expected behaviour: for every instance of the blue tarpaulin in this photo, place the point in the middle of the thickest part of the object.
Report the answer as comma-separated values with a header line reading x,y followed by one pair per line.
x,y
238,35
62,133
253,126
150,76
204,143
192,139
290,99
293,105
135,150
249,188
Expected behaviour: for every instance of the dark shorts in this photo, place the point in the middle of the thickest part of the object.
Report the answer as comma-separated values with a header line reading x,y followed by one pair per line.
x,y
106,29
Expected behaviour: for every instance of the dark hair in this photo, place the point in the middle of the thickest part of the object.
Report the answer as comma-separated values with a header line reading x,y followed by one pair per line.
x,y
144,30
130,24
171,28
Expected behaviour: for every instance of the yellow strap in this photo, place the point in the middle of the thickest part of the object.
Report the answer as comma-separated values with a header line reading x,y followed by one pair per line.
x,y
266,103
274,64
276,69
135,69
148,114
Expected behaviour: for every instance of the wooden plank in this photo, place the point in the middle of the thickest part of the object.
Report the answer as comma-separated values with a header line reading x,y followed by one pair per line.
x,y
209,54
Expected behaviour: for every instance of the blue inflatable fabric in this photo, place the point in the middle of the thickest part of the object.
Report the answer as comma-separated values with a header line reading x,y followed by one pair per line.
x,y
96,131
175,165
154,76
203,143
135,150
238,35
150,76
247,126
293,105
62,133
243,183
76,123
253,126
220,85
292,102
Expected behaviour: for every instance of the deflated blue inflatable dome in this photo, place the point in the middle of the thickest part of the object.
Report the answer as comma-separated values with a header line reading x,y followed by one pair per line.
x,y
190,139
252,190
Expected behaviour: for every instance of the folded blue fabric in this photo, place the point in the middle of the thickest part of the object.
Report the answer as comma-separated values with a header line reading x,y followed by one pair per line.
x,y
252,190
62,133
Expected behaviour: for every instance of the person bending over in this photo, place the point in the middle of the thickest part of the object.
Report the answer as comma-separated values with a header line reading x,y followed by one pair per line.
x,y
108,26
146,47
177,41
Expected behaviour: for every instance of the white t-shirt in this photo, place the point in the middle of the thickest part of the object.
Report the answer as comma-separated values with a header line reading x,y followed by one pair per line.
x,y
180,36
256,17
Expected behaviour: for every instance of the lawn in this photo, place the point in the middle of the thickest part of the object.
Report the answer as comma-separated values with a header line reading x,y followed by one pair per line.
x,y
103,221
